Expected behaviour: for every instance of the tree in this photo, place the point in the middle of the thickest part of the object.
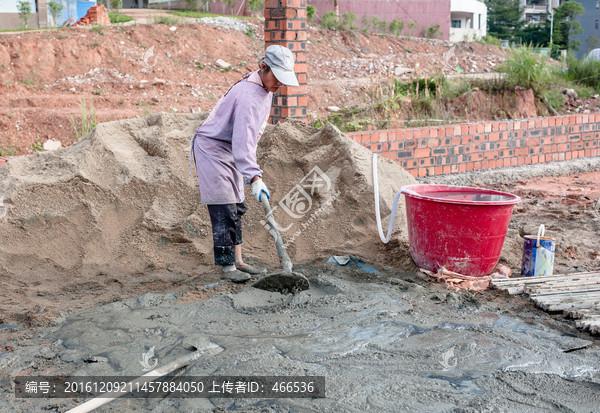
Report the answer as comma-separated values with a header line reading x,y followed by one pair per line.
x,y
24,8
505,18
537,35
566,27
55,10
336,7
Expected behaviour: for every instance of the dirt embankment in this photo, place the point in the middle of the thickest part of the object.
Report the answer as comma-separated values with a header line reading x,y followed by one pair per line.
x,y
132,71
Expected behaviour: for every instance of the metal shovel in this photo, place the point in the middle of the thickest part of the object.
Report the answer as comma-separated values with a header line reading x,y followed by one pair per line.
x,y
286,281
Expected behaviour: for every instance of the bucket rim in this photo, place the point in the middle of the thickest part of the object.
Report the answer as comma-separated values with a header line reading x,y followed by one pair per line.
x,y
515,199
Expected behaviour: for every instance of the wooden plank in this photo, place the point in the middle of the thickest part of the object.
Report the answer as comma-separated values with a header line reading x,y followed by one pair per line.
x,y
574,295
564,284
544,278
565,293
562,306
592,326
580,312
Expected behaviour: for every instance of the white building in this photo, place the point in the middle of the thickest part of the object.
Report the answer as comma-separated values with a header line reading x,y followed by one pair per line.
x,y
536,11
468,20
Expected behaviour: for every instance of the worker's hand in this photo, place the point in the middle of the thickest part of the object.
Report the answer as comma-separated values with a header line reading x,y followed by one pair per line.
x,y
258,188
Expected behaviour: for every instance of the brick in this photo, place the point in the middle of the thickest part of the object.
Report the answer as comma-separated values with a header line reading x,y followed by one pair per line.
x,y
422,153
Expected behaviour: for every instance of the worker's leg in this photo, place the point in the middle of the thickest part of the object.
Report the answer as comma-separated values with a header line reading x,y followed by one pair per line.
x,y
223,219
239,260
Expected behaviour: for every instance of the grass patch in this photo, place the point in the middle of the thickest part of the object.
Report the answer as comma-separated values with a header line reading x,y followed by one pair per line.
x,y
29,29
8,150
199,14
116,17
88,120
168,20
527,69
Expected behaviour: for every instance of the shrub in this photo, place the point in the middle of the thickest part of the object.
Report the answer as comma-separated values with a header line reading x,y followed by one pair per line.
x,y
411,28
366,23
432,32
310,12
347,22
396,27
379,25
585,72
330,20
489,39
527,69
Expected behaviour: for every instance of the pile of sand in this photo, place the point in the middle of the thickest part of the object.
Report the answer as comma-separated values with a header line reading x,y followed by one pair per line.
x,y
122,201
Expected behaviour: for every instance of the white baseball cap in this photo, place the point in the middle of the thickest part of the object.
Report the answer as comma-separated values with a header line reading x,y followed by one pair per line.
x,y
281,61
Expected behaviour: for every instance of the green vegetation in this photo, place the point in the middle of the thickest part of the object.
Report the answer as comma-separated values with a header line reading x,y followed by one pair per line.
x,y
168,20
256,5
116,17
199,14
584,72
310,11
24,8
37,146
88,120
432,32
567,28
396,27
505,19
527,69
55,10
8,150
489,39
98,29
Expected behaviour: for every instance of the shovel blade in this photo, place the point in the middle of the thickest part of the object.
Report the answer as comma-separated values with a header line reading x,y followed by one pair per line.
x,y
283,282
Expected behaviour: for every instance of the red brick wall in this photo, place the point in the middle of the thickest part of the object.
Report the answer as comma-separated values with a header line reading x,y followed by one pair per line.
x,y
424,12
285,24
431,151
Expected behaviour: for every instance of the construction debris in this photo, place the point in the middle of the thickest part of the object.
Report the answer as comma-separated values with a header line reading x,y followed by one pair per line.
x,y
96,15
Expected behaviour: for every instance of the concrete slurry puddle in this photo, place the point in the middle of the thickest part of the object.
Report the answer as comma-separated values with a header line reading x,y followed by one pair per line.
x,y
381,347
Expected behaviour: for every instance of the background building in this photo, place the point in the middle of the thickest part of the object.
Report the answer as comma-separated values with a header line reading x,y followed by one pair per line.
x,y
468,20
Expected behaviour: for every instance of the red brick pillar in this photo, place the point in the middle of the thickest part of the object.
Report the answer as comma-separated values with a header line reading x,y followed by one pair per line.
x,y
285,24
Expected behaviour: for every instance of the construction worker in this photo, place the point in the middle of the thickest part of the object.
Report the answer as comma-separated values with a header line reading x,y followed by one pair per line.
x,y
224,150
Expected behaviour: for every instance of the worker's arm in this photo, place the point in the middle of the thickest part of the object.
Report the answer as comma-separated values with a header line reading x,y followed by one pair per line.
x,y
246,127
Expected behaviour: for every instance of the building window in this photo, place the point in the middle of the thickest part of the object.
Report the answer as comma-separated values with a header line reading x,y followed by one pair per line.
x,y
479,23
456,24
596,24
598,4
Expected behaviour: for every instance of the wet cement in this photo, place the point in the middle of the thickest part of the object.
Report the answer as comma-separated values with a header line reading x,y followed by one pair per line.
x,y
383,346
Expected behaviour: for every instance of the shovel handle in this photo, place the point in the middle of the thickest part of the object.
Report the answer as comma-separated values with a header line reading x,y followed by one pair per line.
x,y
284,258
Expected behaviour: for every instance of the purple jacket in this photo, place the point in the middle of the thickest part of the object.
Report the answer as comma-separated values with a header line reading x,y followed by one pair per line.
x,y
224,147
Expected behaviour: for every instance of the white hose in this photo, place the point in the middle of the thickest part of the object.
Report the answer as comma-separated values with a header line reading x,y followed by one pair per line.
x,y
385,239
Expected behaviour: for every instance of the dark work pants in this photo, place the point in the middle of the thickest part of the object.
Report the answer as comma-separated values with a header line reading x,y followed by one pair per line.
x,y
226,220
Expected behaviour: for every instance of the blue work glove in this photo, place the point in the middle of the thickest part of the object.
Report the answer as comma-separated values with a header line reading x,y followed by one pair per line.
x,y
258,188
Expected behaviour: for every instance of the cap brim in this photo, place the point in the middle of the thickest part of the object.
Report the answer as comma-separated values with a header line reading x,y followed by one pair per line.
x,y
285,77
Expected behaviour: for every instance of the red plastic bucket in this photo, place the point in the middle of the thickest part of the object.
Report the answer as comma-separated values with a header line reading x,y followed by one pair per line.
x,y
457,227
